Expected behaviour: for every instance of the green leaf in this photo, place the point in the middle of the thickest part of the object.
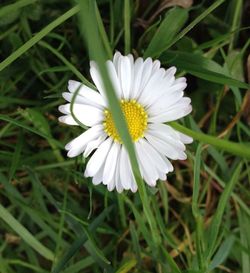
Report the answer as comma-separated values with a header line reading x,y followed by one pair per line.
x,y
170,26
201,67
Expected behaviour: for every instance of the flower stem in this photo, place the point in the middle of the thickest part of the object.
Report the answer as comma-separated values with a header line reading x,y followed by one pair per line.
x,y
225,145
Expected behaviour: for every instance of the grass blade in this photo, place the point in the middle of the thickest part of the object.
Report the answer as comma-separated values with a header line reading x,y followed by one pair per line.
x,y
40,35
5,10
242,150
195,22
172,23
217,219
127,35
25,234
97,54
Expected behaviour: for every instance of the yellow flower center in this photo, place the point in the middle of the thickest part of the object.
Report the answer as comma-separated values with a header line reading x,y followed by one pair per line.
x,y
135,116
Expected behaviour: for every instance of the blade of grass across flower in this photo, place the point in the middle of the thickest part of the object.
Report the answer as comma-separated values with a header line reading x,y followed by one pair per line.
x,y
200,67
25,234
172,23
40,35
90,32
242,150
127,35
103,33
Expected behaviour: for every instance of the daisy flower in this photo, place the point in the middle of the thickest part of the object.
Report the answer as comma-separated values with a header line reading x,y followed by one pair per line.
x,y
149,96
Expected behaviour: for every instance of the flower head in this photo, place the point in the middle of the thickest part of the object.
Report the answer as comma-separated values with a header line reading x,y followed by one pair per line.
x,y
149,96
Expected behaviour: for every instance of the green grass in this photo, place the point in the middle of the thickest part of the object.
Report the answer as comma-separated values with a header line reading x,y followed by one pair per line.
x,y
52,219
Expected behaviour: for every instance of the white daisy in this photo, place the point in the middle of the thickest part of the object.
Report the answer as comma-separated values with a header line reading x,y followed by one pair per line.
x,y
149,97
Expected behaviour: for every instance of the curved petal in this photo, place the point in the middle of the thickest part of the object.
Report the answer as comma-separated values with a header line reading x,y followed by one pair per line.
x,y
125,75
137,77
164,147
148,171
86,114
111,164
68,119
178,111
125,170
94,144
98,158
114,79
155,157
97,79
78,145
84,93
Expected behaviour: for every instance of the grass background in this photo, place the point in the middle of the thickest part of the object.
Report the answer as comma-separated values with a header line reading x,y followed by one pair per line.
x,y
51,218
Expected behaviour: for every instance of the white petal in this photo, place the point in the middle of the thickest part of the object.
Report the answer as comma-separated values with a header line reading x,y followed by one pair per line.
x,y
163,102
98,158
125,174
148,172
162,176
156,65
79,99
116,58
96,77
94,144
177,86
172,114
153,86
81,141
136,84
68,119
164,147
90,96
169,76
86,114
118,183
155,157
163,131
184,138
146,73
97,178
111,163
114,79
125,75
